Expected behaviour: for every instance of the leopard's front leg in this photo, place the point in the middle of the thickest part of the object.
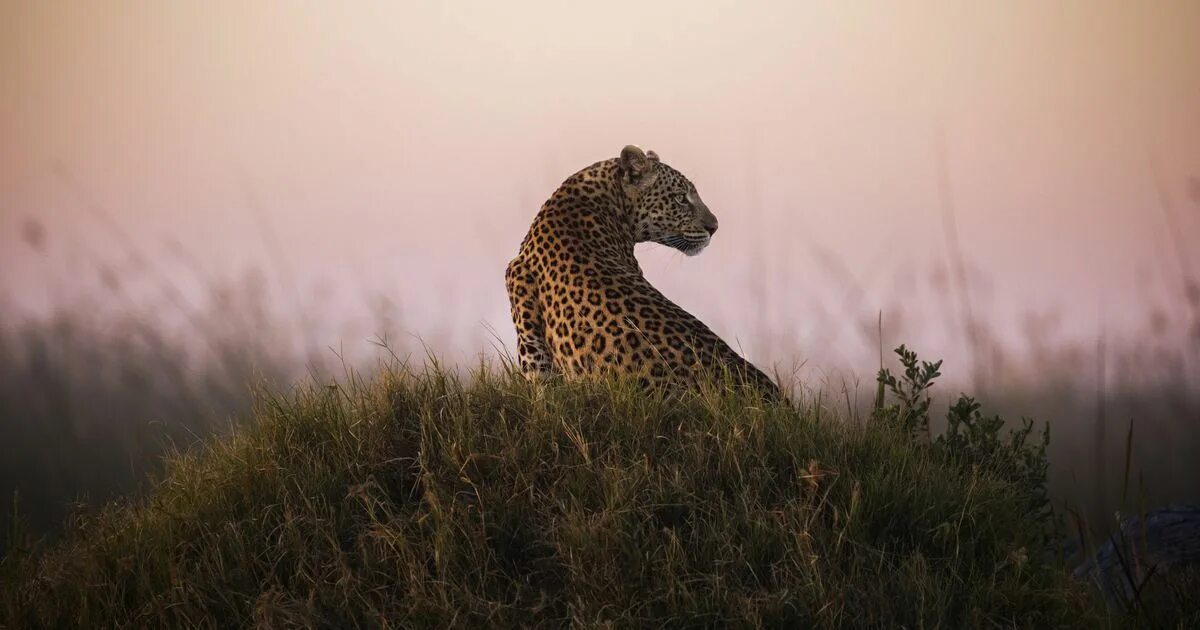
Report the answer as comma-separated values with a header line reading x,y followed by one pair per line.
x,y
532,349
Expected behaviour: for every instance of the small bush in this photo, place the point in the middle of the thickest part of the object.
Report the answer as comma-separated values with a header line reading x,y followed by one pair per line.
x,y
971,440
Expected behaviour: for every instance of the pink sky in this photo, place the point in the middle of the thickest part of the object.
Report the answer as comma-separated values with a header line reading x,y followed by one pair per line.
x,y
401,149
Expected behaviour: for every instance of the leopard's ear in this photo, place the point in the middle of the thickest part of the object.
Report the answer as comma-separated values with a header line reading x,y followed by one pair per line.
x,y
652,156
635,162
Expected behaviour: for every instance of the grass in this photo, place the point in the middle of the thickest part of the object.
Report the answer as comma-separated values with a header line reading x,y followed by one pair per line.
x,y
149,346
426,499
91,394
89,402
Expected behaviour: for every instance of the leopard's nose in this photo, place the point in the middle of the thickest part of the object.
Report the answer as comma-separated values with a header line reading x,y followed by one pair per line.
x,y
708,220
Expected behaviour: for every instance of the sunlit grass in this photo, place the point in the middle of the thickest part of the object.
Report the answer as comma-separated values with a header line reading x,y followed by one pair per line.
x,y
430,499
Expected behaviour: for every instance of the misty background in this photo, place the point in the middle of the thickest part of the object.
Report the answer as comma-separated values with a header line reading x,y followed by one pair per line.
x,y
198,197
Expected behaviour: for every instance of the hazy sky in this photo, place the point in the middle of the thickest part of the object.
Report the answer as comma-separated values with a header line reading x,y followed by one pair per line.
x,y
401,149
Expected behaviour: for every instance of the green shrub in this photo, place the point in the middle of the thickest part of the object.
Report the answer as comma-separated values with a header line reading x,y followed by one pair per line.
x,y
971,441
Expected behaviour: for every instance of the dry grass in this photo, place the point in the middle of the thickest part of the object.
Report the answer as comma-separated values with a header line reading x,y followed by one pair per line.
x,y
429,500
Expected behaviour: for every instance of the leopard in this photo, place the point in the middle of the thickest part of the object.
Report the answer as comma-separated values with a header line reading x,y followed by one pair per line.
x,y
580,302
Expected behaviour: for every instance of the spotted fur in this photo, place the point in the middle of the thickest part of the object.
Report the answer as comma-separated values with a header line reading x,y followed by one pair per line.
x,y
579,300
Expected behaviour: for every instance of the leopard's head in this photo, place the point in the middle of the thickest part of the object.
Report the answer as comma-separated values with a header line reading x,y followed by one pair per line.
x,y
667,209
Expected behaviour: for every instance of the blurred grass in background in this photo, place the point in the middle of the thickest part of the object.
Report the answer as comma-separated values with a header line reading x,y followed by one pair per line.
x,y
93,391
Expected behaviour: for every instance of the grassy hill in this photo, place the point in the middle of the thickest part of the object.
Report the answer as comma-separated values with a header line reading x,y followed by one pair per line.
x,y
432,500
